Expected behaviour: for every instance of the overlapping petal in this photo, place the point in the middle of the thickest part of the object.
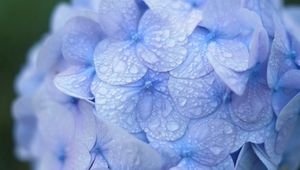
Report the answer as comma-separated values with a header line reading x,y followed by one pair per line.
x,y
119,18
117,63
197,98
81,35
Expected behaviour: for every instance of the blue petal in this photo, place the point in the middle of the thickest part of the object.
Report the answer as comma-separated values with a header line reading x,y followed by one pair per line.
x,y
212,144
236,81
25,128
265,10
122,150
281,98
81,35
270,148
262,155
187,164
119,18
56,125
252,110
164,39
117,63
291,157
196,64
257,137
216,11
117,104
279,52
232,54
248,160
289,113
49,54
190,10
76,82
197,98
162,121
290,79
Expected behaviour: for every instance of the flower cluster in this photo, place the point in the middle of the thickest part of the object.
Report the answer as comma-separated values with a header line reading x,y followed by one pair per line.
x,y
163,84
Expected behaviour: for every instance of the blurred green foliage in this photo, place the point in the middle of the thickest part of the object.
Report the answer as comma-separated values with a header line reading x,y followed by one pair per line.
x,y
22,23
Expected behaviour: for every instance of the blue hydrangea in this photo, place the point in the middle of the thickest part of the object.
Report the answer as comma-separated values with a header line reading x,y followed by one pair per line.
x,y
155,85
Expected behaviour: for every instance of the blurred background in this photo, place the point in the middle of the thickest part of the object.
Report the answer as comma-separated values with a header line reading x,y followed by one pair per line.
x,y
22,23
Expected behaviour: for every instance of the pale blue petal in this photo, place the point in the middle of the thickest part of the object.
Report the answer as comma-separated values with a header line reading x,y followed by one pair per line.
x,y
117,104
164,38
117,63
196,98
25,128
61,14
236,81
187,164
119,18
232,54
196,64
293,13
81,36
76,81
257,137
49,54
190,10
56,125
216,11
123,151
212,144
160,119
252,110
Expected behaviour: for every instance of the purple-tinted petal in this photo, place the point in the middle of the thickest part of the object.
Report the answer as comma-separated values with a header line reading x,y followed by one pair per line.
x,y
196,64
164,39
119,18
76,82
117,104
196,98
117,63
160,119
81,36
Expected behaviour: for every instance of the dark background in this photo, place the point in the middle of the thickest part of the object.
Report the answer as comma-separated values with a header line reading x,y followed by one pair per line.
x,y
22,23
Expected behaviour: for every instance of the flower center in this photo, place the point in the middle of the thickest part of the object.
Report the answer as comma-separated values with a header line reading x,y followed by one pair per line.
x,y
136,37
195,3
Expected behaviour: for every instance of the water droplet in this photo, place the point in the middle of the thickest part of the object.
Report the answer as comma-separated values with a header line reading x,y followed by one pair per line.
x,y
172,126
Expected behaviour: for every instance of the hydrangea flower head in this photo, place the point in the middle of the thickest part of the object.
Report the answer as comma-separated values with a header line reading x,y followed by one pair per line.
x,y
157,85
